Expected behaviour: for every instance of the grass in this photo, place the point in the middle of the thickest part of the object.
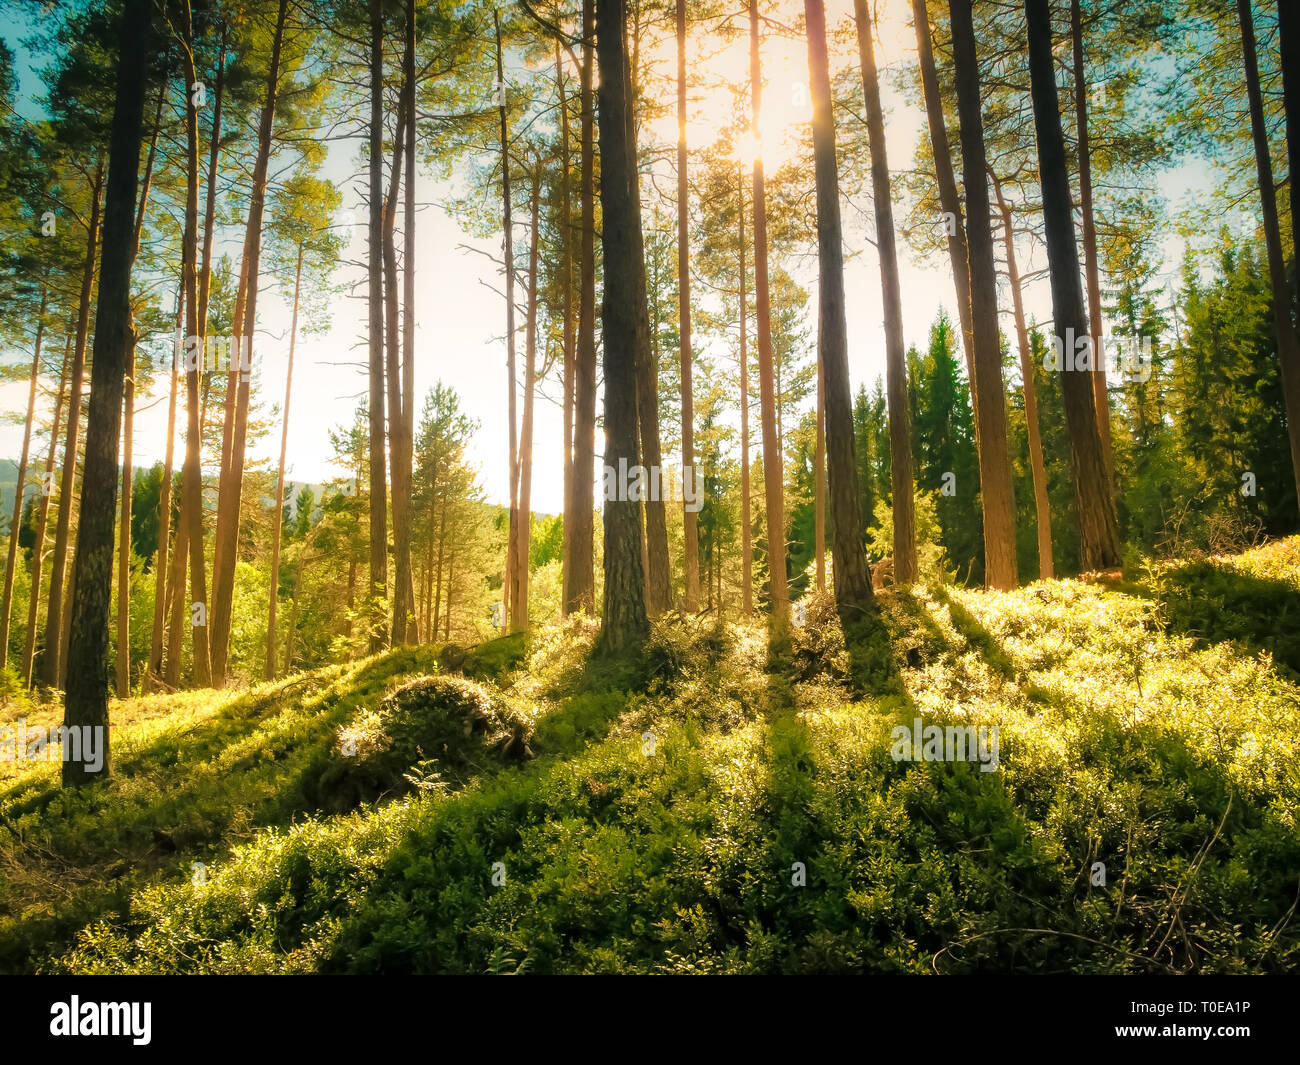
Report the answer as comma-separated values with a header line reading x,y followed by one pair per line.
x,y
693,812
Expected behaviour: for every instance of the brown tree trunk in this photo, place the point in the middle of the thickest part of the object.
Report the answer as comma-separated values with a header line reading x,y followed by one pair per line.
x,y
400,482
1042,509
773,478
86,702
165,589
519,593
378,588
624,624
232,486
277,517
746,518
508,248
580,545
690,516
853,595
1094,502
946,179
900,433
569,337
20,485
408,327
819,468
997,493
43,519
1100,395
1288,345
51,664
1289,48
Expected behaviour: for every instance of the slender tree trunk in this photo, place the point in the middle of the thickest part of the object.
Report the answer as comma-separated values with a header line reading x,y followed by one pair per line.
x,y
164,583
1100,395
51,664
86,703
20,485
819,468
690,516
569,337
746,518
508,248
519,593
277,517
853,594
946,178
1094,502
1289,47
1042,509
408,312
214,169
997,493
42,521
401,489
378,588
900,433
624,624
231,491
773,477
581,594
1288,345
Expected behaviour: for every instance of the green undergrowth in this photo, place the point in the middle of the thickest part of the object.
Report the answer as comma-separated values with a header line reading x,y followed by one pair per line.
x,y
693,811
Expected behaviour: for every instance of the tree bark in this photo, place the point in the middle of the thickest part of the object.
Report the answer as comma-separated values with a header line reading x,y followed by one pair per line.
x,y
378,588
86,702
519,593
746,518
900,433
773,478
624,624
690,516
1098,530
399,462
51,657
997,493
508,250
853,595
1288,344
408,315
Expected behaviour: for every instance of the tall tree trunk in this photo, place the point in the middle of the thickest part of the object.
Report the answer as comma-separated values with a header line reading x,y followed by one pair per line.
x,y
378,588
1100,395
165,568
819,468
1288,22
408,318
86,703
773,477
690,515
508,249
569,338
20,485
277,516
1098,532
210,204
997,493
400,484
624,624
853,594
1288,345
519,593
1042,509
51,664
900,433
581,594
232,486
43,520
946,179
746,518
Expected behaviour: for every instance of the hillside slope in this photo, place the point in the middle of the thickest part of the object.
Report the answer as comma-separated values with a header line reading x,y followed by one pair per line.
x,y
693,812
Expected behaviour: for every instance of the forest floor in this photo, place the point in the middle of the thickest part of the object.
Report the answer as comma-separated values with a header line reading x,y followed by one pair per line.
x,y
541,810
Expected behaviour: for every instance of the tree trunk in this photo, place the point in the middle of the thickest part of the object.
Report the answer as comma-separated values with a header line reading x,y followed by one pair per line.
x,y
690,516
1042,509
1289,48
210,205
277,517
51,665
508,250
42,521
519,593
997,493
408,321
569,338
746,519
1288,345
20,485
819,468
580,545
624,624
946,179
400,481
165,586
378,588
231,489
773,478
1099,534
900,433
853,594
86,703
1100,395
